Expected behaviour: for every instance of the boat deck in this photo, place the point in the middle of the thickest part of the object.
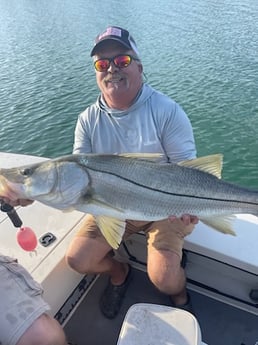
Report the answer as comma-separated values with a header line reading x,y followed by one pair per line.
x,y
221,324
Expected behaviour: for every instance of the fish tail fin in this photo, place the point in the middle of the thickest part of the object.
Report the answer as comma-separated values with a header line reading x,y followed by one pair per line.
x,y
221,224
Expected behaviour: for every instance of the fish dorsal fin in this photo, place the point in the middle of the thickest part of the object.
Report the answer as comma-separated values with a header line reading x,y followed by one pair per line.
x,y
140,155
211,164
220,223
112,229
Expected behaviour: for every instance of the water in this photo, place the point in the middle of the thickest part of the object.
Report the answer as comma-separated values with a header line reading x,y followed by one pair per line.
x,y
204,54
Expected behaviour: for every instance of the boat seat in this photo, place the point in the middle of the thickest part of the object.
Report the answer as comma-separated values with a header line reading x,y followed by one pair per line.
x,y
155,324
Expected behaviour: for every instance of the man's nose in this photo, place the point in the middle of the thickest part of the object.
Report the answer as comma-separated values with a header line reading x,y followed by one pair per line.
x,y
112,68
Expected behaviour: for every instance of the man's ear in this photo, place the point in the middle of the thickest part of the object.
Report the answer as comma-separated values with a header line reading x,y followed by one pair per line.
x,y
140,66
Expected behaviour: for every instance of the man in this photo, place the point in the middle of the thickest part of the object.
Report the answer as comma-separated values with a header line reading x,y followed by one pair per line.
x,y
23,312
130,116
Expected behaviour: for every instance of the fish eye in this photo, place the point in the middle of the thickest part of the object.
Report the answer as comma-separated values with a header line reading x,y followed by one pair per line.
x,y
26,172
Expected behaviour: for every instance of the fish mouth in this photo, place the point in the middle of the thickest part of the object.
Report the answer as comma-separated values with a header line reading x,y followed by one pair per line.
x,y
8,190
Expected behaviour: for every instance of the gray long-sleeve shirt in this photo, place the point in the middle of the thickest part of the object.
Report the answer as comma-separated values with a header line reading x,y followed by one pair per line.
x,y
153,124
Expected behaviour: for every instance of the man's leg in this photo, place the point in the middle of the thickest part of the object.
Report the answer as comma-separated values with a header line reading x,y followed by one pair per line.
x,y
165,243
89,252
165,272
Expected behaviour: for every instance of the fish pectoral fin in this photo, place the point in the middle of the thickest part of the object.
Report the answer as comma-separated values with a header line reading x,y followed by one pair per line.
x,y
112,229
211,164
222,224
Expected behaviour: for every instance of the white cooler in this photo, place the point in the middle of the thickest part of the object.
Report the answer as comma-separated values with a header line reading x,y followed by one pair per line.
x,y
152,324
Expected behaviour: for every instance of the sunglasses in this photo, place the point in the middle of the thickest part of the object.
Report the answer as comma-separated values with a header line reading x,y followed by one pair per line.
x,y
120,61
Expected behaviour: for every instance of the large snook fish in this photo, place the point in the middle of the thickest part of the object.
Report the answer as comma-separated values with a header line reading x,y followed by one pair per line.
x,y
118,187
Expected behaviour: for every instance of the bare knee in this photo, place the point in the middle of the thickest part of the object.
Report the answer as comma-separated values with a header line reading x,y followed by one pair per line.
x,y
78,255
78,265
87,255
44,331
168,282
165,272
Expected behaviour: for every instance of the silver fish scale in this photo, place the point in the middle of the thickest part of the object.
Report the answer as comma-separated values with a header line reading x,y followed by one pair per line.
x,y
170,178
147,190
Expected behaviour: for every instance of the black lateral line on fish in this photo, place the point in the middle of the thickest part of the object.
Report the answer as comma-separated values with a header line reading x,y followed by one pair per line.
x,y
175,194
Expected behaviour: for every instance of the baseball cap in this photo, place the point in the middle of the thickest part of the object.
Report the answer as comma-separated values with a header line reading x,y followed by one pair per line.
x,y
118,34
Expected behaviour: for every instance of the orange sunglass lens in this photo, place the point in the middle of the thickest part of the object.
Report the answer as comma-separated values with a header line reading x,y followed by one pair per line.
x,y
122,61
102,65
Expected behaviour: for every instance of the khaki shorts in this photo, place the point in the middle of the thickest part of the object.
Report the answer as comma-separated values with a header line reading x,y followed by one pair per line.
x,y
21,301
161,235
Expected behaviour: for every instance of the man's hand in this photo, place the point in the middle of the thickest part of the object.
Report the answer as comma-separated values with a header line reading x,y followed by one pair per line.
x,y
18,202
187,219
183,225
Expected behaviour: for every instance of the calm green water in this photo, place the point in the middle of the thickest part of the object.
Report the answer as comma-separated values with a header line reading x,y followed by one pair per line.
x,y
202,53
